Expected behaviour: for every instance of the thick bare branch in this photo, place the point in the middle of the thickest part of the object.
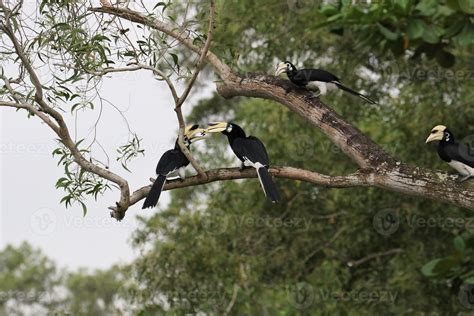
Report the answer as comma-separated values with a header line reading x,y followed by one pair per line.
x,y
360,178
387,172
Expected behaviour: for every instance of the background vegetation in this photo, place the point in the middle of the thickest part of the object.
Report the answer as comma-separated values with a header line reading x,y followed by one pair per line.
x,y
222,248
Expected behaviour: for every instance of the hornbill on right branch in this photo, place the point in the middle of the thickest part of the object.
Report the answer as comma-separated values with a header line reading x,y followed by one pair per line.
x,y
315,78
172,163
459,156
251,151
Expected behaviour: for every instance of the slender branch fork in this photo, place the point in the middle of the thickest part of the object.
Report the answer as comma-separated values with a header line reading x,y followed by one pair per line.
x,y
377,168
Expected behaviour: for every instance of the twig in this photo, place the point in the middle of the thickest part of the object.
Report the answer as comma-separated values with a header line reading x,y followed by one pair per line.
x,y
355,263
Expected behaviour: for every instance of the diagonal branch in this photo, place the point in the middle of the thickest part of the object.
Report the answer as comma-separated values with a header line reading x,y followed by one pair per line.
x,y
179,112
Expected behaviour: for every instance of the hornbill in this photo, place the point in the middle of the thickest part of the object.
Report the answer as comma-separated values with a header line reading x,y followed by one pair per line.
x,y
251,151
458,156
315,78
172,163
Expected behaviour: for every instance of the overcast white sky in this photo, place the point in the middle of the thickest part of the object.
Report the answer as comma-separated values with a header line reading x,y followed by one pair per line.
x,y
30,209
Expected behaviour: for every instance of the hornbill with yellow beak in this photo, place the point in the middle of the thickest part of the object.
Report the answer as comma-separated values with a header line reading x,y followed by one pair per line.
x,y
172,163
315,78
458,156
251,151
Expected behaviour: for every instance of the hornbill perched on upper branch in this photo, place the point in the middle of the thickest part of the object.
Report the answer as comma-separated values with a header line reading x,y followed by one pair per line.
x,y
458,156
251,151
315,78
172,163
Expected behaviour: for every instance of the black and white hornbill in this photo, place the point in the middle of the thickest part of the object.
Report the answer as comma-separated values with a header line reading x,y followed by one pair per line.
x,y
172,163
311,79
459,156
251,151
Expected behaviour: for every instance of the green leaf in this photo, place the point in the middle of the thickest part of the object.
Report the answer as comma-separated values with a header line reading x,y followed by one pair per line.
x,y
427,7
432,34
466,6
175,58
469,280
459,243
388,33
415,28
466,37
84,208
455,28
444,266
428,269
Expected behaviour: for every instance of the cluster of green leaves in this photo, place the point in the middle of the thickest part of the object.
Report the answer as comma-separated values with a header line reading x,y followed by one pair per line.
x,y
428,27
76,182
455,268
129,151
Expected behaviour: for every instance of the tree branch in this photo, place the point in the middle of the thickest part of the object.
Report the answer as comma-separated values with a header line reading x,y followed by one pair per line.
x,y
388,173
179,113
360,178
63,131
356,263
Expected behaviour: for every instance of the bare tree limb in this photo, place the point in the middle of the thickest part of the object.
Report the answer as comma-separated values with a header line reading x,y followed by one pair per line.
x,y
62,130
388,173
179,113
360,178
358,262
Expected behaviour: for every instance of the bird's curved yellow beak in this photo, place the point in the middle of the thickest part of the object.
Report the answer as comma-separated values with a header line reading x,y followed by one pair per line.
x,y
437,133
216,127
194,133
281,68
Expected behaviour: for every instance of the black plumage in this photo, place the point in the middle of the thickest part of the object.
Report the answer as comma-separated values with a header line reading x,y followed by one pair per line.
x,y
171,161
457,155
316,78
251,151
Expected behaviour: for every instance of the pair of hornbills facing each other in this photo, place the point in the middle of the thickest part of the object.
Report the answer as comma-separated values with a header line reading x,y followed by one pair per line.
x,y
249,149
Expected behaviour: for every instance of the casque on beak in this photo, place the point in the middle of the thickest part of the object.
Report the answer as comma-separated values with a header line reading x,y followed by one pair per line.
x,y
217,127
437,133
281,68
193,133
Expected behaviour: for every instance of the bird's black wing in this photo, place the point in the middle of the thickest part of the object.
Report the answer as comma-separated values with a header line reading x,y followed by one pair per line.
x,y
170,161
251,148
306,75
460,152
